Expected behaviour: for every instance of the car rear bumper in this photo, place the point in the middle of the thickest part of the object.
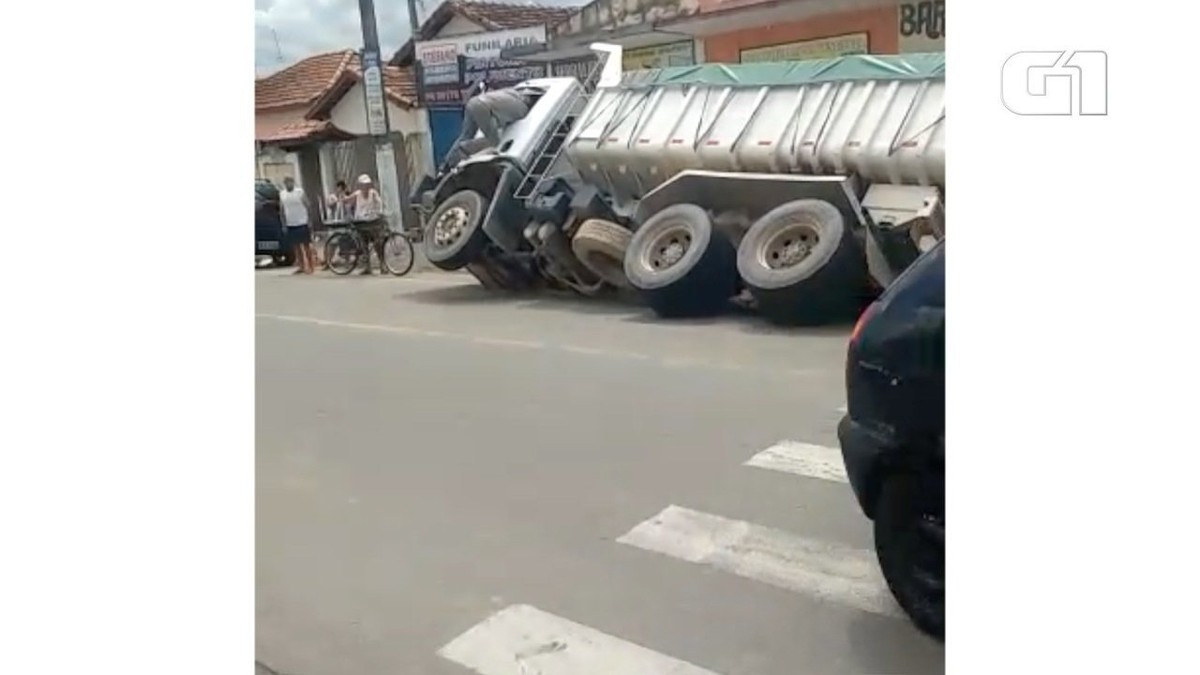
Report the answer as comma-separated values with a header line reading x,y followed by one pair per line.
x,y
862,452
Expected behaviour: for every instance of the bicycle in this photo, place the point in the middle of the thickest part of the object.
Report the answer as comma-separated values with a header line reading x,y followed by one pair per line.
x,y
346,245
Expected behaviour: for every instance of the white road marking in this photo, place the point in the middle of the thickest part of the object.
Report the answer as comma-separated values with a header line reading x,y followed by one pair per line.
x,y
524,640
610,353
828,571
662,360
802,459
501,342
403,330
842,409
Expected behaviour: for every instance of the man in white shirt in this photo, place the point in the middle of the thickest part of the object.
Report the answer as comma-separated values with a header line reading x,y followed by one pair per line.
x,y
295,218
369,220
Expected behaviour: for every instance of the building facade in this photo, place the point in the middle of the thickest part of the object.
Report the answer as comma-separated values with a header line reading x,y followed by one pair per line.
x,y
310,124
661,33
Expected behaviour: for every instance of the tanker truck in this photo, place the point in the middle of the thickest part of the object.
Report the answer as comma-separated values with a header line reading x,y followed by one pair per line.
x,y
802,187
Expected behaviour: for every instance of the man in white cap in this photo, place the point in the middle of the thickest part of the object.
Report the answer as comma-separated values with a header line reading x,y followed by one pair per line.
x,y
368,219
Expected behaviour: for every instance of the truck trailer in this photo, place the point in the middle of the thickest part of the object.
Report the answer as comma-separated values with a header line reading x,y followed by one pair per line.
x,y
803,187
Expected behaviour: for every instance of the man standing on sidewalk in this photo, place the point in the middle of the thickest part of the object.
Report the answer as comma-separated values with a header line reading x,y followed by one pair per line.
x,y
369,220
295,214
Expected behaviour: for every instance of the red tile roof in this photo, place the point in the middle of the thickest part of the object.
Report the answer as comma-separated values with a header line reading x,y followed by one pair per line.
x,y
320,81
488,15
300,131
399,87
302,82
502,15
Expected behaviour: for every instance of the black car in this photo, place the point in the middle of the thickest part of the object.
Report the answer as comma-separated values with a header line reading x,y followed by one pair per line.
x,y
268,224
893,435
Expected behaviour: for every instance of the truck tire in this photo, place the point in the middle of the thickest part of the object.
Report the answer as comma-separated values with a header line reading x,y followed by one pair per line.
x,y
802,264
455,236
680,264
910,534
600,245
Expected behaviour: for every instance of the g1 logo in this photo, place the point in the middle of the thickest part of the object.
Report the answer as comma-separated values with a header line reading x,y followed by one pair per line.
x,y
1055,83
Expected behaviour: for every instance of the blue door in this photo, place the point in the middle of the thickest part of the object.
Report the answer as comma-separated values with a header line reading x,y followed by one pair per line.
x,y
445,125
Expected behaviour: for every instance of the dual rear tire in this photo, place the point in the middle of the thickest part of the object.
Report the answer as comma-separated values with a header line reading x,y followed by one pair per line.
x,y
803,265
680,264
800,262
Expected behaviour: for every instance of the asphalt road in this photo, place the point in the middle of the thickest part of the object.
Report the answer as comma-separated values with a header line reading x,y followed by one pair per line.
x,y
450,481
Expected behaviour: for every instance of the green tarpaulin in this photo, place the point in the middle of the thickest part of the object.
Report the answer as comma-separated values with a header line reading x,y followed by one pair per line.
x,y
930,66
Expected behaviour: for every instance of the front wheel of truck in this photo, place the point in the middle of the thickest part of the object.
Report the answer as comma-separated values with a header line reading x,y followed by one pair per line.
x,y
454,237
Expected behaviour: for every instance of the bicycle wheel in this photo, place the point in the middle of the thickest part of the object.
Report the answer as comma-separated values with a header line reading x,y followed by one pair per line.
x,y
397,254
342,252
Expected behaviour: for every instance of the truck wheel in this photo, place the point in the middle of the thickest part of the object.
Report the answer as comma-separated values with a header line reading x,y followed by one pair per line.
x,y
455,234
681,264
910,541
600,245
802,264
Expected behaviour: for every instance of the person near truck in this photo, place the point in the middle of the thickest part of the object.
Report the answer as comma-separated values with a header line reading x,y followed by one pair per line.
x,y
369,220
490,112
299,236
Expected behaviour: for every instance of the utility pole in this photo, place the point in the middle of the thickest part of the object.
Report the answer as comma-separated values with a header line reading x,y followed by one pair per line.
x,y
414,21
377,119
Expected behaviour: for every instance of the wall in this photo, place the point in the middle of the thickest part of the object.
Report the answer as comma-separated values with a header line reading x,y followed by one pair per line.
x,y
881,26
350,115
267,121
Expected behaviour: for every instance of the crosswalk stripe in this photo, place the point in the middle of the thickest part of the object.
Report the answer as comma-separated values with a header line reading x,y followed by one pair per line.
x,y
523,640
802,459
828,571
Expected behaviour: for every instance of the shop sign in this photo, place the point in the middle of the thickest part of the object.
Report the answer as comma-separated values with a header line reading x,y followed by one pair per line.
x,y
821,48
576,68
922,26
660,56
478,45
446,66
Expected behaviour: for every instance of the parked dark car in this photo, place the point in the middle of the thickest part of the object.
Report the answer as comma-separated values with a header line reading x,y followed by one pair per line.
x,y
893,435
268,224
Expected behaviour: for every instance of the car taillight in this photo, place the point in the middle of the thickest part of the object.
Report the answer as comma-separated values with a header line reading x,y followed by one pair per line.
x,y
862,321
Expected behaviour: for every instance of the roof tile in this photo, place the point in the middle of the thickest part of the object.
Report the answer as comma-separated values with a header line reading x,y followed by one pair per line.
x,y
310,80
301,82
503,15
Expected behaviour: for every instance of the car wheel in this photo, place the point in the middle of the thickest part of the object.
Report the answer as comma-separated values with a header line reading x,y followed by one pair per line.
x,y
455,236
910,541
802,264
680,264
